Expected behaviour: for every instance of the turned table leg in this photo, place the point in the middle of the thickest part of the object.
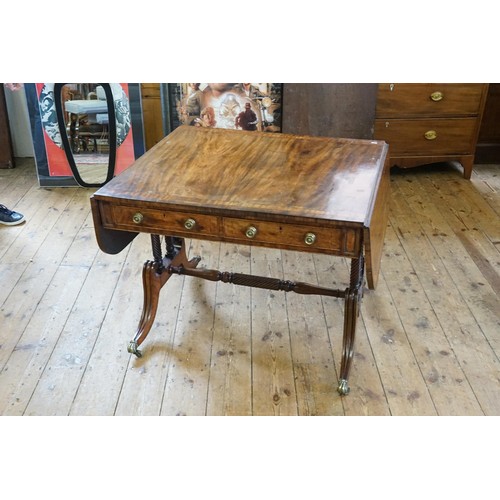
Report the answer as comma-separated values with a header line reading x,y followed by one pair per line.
x,y
351,311
154,275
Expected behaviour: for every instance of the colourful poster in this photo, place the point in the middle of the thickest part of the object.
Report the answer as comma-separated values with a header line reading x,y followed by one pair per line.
x,y
239,106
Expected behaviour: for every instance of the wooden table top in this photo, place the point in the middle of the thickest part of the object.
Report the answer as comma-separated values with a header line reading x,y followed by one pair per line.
x,y
241,173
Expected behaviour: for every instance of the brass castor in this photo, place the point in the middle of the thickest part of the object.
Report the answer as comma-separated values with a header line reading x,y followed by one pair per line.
x,y
343,388
132,349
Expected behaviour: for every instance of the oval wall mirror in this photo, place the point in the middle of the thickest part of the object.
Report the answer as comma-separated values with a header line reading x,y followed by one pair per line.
x,y
86,117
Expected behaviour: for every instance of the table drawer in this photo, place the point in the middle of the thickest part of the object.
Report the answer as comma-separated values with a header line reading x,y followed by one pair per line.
x,y
291,236
159,221
341,241
432,137
400,100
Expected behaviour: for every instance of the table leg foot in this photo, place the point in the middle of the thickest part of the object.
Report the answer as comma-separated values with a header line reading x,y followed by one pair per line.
x,y
132,349
343,388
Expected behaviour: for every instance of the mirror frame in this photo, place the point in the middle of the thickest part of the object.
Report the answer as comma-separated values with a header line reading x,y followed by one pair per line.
x,y
65,139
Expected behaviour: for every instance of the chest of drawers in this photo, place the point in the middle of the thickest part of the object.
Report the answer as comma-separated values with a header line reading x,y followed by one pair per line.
x,y
430,122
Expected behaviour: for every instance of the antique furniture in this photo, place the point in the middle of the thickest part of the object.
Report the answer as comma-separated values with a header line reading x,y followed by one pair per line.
x,y
309,194
430,122
94,112
488,142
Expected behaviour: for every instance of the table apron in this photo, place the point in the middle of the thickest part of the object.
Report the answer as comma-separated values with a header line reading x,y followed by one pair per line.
x,y
340,240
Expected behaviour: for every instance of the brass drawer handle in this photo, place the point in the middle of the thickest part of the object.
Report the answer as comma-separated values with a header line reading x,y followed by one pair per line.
x,y
189,224
251,232
437,96
310,239
138,218
430,135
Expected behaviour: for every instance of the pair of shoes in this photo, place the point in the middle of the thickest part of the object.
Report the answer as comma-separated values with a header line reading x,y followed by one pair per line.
x,y
9,217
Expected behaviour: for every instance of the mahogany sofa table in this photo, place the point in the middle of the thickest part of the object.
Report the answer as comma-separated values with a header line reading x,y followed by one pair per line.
x,y
308,194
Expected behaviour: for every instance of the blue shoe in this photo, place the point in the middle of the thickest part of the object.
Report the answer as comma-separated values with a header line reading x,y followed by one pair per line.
x,y
9,217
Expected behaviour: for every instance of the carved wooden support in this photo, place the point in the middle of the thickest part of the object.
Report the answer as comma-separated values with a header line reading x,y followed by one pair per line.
x,y
153,279
256,281
156,273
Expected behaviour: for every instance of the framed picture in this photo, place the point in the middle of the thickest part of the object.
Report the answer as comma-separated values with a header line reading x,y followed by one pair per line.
x,y
240,106
87,154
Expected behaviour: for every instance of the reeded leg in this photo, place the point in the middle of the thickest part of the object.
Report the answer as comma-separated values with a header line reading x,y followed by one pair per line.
x,y
154,276
151,284
351,311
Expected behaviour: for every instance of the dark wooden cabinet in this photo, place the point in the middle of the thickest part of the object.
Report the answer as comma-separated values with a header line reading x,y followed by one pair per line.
x,y
6,152
488,143
329,109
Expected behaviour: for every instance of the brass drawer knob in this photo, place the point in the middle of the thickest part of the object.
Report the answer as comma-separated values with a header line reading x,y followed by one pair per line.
x,y
138,218
437,96
310,239
430,135
251,232
189,223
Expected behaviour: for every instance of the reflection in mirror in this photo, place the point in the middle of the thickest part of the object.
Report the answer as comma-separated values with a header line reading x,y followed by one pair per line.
x,y
86,119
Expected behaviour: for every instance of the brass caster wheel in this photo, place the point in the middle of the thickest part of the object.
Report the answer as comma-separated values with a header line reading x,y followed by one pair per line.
x,y
343,388
132,349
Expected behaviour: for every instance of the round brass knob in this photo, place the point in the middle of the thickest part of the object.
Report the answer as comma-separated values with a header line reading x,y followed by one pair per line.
x,y
138,218
437,96
310,239
251,232
430,135
189,223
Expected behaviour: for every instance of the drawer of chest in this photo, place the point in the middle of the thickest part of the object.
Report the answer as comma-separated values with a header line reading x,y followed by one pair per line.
x,y
428,99
438,137
300,237
158,221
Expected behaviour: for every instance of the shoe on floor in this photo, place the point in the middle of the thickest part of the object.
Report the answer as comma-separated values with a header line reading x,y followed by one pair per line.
x,y
9,217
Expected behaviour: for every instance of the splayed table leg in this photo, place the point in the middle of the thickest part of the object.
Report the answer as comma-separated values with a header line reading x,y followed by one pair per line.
x,y
154,276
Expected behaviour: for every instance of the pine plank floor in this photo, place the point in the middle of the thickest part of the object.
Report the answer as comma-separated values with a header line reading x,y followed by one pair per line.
x,y
428,339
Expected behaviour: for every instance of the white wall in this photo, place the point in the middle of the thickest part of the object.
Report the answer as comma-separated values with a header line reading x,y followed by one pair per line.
x,y
20,129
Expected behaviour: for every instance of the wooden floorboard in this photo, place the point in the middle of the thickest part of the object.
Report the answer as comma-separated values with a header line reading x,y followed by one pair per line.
x,y
428,339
